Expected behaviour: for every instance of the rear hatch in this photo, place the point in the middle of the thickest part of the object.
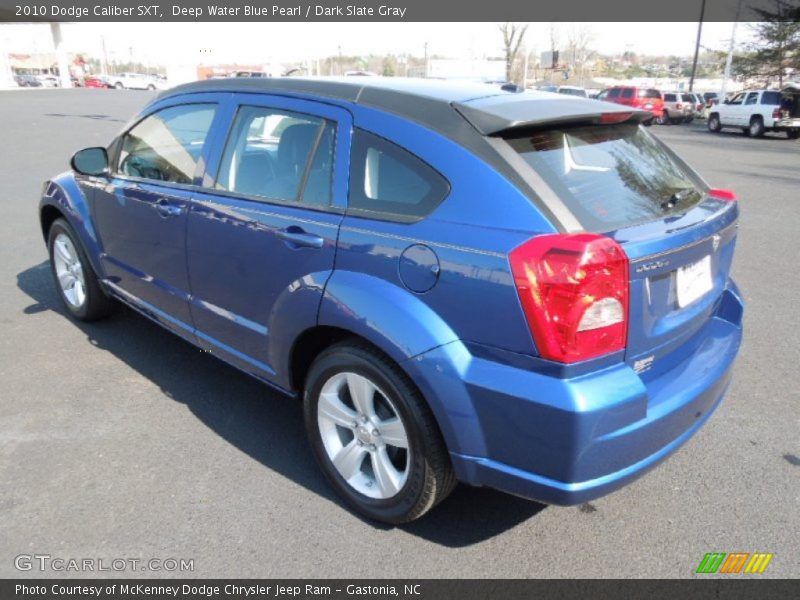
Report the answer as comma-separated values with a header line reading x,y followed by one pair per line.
x,y
619,180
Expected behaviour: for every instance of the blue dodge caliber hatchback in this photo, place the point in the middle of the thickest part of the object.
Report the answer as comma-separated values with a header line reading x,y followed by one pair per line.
x,y
516,290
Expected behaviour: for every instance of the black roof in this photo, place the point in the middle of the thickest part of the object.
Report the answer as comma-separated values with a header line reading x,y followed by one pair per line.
x,y
434,103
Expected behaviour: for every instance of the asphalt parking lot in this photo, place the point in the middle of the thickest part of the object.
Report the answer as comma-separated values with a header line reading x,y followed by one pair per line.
x,y
117,439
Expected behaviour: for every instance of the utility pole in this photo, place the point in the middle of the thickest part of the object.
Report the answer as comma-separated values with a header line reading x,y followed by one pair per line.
x,y
729,60
697,44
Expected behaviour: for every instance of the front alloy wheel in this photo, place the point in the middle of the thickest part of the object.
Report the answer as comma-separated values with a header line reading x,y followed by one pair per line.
x,y
373,434
69,271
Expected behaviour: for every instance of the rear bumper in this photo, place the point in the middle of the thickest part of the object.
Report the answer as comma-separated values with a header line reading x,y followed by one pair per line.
x,y
568,440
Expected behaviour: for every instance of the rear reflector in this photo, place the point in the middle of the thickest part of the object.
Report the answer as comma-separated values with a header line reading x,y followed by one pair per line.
x,y
614,117
574,292
722,194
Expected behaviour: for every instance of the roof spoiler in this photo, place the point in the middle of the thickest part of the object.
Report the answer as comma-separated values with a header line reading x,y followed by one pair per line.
x,y
491,116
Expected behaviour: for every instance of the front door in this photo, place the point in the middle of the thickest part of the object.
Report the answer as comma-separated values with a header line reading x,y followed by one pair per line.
x,y
141,210
262,235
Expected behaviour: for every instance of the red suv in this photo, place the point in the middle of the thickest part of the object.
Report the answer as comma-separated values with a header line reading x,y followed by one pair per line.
x,y
637,97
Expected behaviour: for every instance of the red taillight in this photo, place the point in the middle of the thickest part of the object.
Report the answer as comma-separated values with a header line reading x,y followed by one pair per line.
x,y
722,194
776,114
615,117
574,291
679,106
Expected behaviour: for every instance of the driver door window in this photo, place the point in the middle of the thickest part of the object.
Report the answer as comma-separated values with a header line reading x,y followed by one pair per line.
x,y
166,146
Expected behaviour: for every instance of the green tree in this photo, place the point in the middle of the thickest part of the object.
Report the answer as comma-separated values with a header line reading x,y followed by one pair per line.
x,y
777,45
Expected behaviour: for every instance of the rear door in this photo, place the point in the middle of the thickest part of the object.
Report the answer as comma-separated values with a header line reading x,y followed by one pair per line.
x,y
261,235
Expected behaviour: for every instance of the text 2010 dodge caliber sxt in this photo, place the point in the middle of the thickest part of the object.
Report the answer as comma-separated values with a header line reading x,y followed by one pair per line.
x,y
524,291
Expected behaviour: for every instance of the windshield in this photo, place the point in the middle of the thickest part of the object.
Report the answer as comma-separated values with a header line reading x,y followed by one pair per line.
x,y
609,176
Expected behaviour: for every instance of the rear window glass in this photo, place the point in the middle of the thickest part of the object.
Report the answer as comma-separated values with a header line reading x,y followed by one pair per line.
x,y
649,94
609,176
772,98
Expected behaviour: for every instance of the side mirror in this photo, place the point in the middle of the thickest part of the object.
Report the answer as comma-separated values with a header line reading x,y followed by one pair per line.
x,y
90,161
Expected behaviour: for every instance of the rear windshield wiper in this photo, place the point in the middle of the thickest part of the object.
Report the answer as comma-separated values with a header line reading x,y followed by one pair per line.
x,y
678,197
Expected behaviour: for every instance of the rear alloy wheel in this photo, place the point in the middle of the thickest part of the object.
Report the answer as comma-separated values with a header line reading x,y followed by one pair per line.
x,y
756,128
714,124
373,435
73,275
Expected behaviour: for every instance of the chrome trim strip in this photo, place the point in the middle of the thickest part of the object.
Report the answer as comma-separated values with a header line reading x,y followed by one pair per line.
x,y
721,232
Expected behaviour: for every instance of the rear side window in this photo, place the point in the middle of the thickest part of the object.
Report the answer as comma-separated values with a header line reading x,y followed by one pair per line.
x,y
269,154
166,145
771,98
609,176
752,98
386,179
650,93
627,93
669,97
688,98
614,93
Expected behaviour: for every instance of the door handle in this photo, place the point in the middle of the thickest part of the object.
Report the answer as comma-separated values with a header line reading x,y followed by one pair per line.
x,y
295,237
166,209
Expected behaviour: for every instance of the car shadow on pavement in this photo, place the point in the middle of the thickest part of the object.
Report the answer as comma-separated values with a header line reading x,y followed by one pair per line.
x,y
260,422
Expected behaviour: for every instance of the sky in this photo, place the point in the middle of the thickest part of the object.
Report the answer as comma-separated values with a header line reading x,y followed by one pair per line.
x,y
286,42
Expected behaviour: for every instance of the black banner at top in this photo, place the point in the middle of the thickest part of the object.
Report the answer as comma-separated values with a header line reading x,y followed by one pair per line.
x,y
392,10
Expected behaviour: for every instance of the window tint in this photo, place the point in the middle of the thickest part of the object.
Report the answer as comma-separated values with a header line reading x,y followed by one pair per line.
x,y
627,93
384,178
610,176
669,97
651,93
267,154
167,145
771,98
737,99
752,98
614,93
688,98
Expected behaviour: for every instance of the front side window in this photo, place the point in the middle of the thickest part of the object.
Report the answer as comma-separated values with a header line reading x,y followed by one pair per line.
x,y
384,178
610,176
614,93
279,155
627,93
737,99
167,145
752,98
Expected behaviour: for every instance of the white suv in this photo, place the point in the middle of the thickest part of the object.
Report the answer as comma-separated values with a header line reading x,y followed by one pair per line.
x,y
132,81
757,111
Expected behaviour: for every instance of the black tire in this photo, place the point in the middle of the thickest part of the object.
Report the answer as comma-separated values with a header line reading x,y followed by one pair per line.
x,y
430,475
649,122
118,85
793,134
756,128
151,87
714,126
689,119
96,303
664,119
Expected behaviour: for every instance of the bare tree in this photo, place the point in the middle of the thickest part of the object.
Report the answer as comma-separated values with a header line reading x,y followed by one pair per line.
x,y
513,34
579,39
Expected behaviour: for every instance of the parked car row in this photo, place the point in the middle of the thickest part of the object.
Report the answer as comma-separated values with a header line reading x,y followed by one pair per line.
x,y
131,81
